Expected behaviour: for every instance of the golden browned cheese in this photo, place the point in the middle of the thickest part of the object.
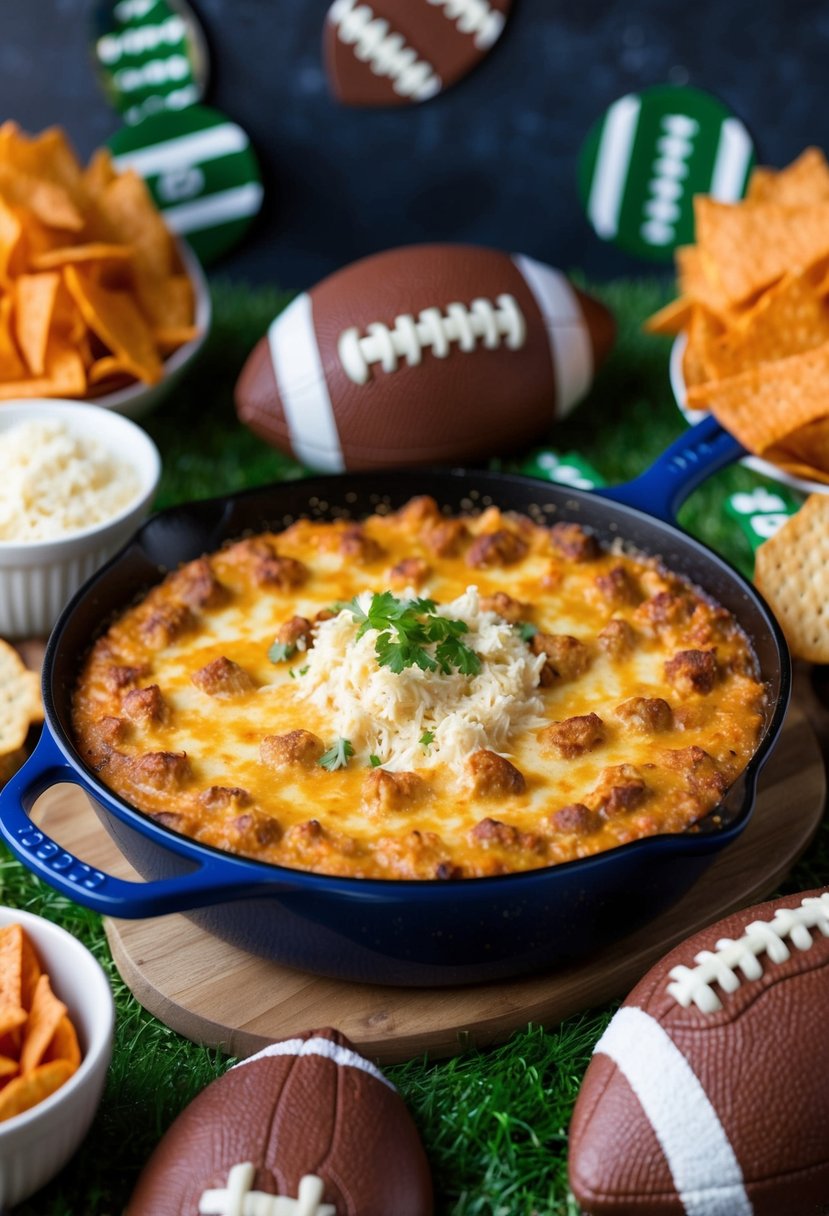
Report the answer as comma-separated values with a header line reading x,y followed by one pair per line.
x,y
645,701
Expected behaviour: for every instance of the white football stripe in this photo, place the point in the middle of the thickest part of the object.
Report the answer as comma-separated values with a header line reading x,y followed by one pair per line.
x,y
213,209
302,386
705,1171
342,1056
195,149
612,164
570,346
733,155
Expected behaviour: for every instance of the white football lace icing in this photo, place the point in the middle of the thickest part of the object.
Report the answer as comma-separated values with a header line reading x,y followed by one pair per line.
x,y
239,1199
481,321
474,17
386,53
692,985
343,1057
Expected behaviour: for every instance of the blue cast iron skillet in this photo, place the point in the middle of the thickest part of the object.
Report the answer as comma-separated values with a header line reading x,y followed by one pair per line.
x,y
393,932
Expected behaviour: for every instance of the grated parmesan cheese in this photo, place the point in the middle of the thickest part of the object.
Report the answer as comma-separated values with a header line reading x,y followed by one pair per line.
x,y
53,483
386,714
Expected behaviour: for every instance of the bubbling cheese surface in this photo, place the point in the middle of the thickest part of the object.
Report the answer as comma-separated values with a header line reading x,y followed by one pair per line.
x,y
53,483
387,714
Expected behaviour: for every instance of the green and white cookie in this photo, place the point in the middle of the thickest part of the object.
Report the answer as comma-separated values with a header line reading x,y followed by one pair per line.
x,y
646,158
202,172
151,55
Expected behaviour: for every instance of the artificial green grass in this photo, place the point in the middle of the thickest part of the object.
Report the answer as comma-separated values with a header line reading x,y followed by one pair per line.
x,y
494,1123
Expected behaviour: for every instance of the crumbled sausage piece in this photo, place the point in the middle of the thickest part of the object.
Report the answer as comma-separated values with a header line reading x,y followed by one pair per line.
x,y
300,747
419,510
197,586
145,705
620,788
306,834
173,821
356,543
574,736
665,610
567,657
247,552
699,769
297,629
165,772
103,735
410,572
411,855
501,548
617,638
572,541
692,671
575,818
253,830
222,678
324,614
511,610
618,587
384,792
118,676
260,559
646,714
491,775
222,797
493,831
447,870
446,538
165,623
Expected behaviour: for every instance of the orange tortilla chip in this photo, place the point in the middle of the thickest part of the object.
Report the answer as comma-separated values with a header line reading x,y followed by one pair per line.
x,y
116,320
671,319
65,376
128,216
24,1092
73,254
99,172
8,1067
754,244
10,233
12,366
104,368
44,1017
30,973
11,966
64,1044
805,180
34,304
169,339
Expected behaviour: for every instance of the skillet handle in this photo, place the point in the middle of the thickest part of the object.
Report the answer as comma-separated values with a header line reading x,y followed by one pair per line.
x,y
662,489
217,878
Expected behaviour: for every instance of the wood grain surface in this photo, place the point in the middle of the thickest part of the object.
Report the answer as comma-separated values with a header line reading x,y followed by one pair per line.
x,y
216,994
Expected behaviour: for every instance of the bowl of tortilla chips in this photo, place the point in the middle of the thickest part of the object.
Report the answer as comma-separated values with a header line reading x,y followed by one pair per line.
x,y
754,319
98,300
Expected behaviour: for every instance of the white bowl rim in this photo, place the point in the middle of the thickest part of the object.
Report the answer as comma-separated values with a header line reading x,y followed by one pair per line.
x,y
94,1050
182,355
755,463
42,407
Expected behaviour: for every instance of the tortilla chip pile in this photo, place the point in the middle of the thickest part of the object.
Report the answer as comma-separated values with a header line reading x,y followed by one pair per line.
x,y
20,706
39,1049
92,292
755,305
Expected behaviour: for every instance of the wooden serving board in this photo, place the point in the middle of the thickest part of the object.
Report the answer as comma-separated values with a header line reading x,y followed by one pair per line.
x,y
216,994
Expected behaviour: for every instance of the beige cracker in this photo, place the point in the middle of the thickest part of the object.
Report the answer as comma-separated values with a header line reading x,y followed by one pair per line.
x,y
792,572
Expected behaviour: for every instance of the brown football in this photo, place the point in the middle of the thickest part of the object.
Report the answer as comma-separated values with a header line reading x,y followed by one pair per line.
x,y
307,1118
430,354
398,52
707,1094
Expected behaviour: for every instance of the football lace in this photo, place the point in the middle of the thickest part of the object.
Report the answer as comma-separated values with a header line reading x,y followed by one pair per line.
x,y
693,985
385,53
481,321
474,17
239,1199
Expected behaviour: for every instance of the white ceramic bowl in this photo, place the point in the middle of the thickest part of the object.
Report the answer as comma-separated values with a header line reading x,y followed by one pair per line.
x,y
765,467
139,399
38,578
39,1142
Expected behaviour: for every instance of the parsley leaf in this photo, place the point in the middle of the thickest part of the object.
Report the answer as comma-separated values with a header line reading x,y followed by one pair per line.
x,y
303,670
427,737
526,630
374,761
337,755
405,628
281,650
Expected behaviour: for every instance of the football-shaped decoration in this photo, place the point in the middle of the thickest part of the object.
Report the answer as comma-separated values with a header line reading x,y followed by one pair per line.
x,y
397,52
307,1120
423,355
646,158
707,1094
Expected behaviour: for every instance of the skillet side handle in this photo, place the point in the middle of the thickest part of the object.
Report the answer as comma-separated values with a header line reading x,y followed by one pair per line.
x,y
213,881
662,489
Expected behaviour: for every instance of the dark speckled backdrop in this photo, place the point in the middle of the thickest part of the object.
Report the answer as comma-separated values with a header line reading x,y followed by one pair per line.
x,y
490,161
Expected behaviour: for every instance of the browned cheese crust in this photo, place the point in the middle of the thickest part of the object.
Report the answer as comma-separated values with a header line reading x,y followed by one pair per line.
x,y
651,700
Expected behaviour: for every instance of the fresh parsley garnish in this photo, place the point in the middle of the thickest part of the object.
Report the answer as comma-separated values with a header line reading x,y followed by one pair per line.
x,y
427,738
337,755
526,630
303,670
281,651
374,761
407,629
